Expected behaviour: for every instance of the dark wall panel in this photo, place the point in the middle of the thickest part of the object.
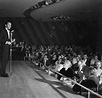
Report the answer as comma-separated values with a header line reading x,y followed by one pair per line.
x,y
44,33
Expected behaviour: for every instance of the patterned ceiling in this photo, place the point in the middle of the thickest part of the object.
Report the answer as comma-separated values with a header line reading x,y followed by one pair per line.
x,y
76,9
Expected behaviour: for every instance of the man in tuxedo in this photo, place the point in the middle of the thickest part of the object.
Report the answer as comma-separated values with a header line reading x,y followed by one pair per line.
x,y
5,41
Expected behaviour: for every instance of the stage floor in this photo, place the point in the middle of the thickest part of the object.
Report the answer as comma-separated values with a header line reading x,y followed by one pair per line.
x,y
29,81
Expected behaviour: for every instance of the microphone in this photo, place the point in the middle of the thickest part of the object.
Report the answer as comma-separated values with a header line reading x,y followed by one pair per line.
x,y
12,31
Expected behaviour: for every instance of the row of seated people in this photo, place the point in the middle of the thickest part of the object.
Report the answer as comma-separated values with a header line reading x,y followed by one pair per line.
x,y
44,3
84,69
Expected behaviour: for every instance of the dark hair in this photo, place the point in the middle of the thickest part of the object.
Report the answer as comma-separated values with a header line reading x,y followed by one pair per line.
x,y
5,23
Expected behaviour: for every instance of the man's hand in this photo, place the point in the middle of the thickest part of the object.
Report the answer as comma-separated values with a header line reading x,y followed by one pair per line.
x,y
13,40
8,42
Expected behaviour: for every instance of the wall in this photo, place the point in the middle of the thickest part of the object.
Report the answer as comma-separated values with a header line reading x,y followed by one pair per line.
x,y
55,32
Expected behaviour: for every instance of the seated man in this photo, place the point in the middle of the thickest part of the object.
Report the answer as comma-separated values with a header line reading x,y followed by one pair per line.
x,y
67,70
41,3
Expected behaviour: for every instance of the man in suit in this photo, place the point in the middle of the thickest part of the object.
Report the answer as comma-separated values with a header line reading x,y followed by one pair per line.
x,y
5,41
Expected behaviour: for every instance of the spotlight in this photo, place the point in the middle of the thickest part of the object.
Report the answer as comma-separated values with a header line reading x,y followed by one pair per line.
x,y
61,17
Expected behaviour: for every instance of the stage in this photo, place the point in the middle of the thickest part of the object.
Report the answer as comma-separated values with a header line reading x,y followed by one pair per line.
x,y
29,81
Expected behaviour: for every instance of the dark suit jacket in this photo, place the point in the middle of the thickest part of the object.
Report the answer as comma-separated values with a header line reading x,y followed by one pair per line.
x,y
3,36
67,73
4,50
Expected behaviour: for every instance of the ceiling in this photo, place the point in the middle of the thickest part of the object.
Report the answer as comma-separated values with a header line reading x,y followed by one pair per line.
x,y
76,9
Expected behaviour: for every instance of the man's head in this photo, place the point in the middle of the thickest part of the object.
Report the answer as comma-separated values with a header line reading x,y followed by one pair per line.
x,y
8,25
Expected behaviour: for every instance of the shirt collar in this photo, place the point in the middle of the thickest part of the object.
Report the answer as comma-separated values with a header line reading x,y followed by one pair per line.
x,y
6,29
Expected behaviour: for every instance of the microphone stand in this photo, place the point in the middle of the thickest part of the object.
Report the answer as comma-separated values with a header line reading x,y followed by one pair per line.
x,y
10,62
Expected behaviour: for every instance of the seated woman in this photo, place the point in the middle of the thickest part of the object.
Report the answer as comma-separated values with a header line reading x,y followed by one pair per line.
x,y
75,64
98,69
91,81
58,65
